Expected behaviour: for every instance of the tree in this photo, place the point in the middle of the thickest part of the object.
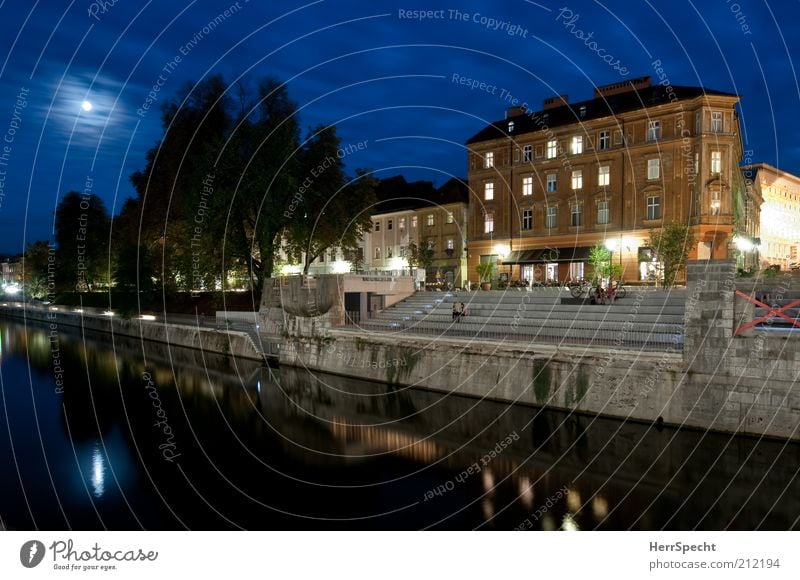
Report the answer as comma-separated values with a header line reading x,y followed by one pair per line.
x,y
603,268
82,232
420,256
328,212
35,269
671,246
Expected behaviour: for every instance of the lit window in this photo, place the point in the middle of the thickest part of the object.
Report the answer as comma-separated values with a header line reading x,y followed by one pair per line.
x,y
450,244
488,223
450,217
429,219
582,111
552,149
603,175
716,162
430,244
576,215
376,227
654,207
551,219
527,219
488,160
527,185
552,184
413,221
604,142
653,168
577,179
715,202
389,224
653,130
602,212
510,126
577,145
716,121
526,153
488,191
401,223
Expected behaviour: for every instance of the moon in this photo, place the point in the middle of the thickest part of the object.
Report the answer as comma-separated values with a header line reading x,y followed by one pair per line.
x,y
86,106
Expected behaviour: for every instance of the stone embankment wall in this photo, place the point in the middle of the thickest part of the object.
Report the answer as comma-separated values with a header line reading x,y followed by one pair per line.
x,y
207,339
718,381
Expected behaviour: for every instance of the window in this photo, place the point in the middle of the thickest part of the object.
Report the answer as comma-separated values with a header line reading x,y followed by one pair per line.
x,y
403,252
716,162
450,217
551,218
488,160
450,244
377,253
539,151
654,207
413,221
376,227
653,168
604,142
653,130
430,243
527,219
488,223
527,185
715,202
488,191
577,179
429,221
602,212
388,252
389,224
582,111
526,153
551,183
511,126
603,175
552,149
401,223
576,215
618,137
577,145
697,127
716,121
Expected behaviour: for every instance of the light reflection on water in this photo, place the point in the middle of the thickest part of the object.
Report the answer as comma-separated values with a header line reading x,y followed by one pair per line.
x,y
98,476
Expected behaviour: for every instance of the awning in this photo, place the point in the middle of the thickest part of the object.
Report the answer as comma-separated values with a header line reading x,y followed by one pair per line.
x,y
548,255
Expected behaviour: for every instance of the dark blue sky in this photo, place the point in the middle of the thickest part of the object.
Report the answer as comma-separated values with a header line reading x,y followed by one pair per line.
x,y
380,75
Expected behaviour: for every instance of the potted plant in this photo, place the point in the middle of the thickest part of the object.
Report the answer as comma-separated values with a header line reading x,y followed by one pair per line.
x,y
485,274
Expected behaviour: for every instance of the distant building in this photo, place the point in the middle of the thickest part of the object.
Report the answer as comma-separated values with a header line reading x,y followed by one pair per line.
x,y
780,213
11,272
548,185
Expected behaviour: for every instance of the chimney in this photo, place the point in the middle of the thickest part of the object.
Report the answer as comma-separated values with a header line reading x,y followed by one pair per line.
x,y
622,87
554,102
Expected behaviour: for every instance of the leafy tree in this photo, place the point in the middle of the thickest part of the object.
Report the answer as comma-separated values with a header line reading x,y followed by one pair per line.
x,y
602,265
671,246
81,232
324,209
35,269
420,256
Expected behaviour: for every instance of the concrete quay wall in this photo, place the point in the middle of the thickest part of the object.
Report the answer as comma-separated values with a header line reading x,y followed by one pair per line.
x,y
231,343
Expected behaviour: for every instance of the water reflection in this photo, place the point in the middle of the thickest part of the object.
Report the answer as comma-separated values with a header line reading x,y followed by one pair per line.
x,y
264,448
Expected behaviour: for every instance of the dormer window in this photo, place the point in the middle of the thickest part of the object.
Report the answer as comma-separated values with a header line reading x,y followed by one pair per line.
x,y
511,126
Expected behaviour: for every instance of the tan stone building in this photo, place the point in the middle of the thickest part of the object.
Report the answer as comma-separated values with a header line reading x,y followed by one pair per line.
x,y
780,213
546,186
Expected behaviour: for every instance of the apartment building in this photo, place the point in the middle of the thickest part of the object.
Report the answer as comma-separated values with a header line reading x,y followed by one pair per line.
x,y
779,235
548,185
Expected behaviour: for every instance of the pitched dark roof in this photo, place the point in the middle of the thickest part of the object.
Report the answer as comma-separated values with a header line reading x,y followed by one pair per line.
x,y
396,194
596,108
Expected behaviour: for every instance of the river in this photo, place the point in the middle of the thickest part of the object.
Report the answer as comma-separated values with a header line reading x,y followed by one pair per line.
x,y
123,434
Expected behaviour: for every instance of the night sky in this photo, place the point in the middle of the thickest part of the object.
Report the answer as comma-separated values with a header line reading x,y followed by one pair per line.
x,y
371,68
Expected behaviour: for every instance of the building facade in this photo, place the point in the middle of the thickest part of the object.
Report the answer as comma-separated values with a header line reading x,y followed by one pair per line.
x,y
546,186
779,235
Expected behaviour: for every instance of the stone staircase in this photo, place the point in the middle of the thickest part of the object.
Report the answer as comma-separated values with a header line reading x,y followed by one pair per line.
x,y
645,318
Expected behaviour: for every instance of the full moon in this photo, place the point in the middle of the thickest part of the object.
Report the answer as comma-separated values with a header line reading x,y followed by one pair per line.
x,y
86,106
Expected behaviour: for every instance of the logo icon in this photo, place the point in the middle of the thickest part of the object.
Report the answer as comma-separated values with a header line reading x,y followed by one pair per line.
x,y
32,553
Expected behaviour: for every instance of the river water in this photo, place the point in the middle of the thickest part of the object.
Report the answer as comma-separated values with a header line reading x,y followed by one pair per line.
x,y
121,434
